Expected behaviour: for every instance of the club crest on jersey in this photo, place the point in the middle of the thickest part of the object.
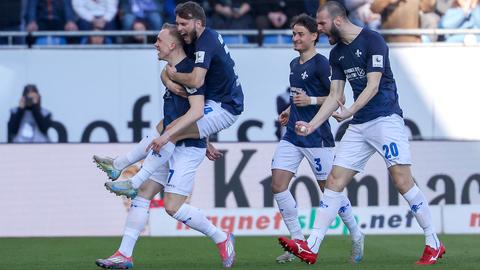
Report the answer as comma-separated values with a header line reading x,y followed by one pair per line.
x,y
304,75
199,57
358,53
377,60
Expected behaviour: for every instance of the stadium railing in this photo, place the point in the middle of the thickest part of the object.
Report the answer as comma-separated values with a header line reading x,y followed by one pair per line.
x,y
234,38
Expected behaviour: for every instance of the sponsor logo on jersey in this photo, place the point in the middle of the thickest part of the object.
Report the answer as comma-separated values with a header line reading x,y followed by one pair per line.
x,y
199,57
377,61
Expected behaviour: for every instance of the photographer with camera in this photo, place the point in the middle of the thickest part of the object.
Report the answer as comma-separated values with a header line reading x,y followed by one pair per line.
x,y
29,122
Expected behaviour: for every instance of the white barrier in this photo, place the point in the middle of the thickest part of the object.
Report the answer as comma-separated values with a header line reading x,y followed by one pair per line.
x,y
55,189
92,91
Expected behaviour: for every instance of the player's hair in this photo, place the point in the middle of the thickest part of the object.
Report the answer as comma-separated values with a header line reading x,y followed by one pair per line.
x,y
306,21
334,8
172,29
191,11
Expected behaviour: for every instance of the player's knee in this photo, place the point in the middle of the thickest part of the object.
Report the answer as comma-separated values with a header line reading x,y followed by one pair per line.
x,y
279,186
171,208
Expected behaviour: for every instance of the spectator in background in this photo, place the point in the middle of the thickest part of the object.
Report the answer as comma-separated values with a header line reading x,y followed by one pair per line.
x,y
231,14
96,14
11,14
29,122
276,14
149,12
50,15
403,14
464,14
96,40
361,14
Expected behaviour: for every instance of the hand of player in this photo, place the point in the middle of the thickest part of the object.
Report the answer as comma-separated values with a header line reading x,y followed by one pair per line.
x,y
157,143
303,128
171,70
212,152
301,99
344,113
283,118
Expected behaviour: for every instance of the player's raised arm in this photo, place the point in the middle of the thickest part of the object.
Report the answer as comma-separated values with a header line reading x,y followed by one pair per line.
x,y
195,79
373,81
328,107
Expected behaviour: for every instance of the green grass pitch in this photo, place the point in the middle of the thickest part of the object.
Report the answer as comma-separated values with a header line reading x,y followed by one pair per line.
x,y
381,252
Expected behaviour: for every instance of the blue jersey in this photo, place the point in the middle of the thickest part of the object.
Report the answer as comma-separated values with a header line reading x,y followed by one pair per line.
x,y
175,106
310,78
368,52
221,81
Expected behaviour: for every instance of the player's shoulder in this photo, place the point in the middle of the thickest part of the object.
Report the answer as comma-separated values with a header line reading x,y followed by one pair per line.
x,y
294,61
320,59
372,36
209,36
185,66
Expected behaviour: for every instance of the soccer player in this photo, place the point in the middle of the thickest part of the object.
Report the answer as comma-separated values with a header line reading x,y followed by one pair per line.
x,y
175,177
215,69
361,57
309,86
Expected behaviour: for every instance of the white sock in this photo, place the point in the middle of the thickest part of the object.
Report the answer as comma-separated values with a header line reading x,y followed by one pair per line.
x,y
136,220
326,213
346,214
152,163
196,219
136,154
420,209
288,209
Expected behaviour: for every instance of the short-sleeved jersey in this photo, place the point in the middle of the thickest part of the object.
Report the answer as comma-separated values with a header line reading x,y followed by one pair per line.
x,y
221,81
310,78
368,52
175,106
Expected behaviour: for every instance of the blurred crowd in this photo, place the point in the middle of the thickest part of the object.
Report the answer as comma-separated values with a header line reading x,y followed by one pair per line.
x,y
140,15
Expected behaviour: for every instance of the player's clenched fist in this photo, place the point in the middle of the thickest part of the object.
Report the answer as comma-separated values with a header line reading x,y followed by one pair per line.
x,y
303,128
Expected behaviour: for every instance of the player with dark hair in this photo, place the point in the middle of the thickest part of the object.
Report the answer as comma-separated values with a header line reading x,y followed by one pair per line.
x,y
361,57
309,87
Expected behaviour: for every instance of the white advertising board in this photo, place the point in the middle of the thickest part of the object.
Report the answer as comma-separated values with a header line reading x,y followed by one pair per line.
x,y
55,189
103,95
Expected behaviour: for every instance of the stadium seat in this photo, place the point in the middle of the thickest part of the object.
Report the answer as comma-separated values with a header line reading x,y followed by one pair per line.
x,y
50,41
277,39
235,39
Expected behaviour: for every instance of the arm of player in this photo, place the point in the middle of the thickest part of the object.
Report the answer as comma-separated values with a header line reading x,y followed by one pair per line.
x,y
283,116
194,79
302,100
195,112
174,87
328,107
373,81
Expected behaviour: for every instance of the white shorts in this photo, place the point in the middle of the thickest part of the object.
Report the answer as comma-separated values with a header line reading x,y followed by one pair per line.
x,y
385,135
215,118
287,157
177,175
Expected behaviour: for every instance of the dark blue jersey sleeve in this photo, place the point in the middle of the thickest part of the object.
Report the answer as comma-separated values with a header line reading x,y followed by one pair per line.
x,y
204,51
323,71
377,53
337,72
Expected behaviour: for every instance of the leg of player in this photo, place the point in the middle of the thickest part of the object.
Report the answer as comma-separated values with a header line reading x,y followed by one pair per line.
x,y
403,180
331,202
154,160
136,220
288,208
346,214
194,218
113,167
